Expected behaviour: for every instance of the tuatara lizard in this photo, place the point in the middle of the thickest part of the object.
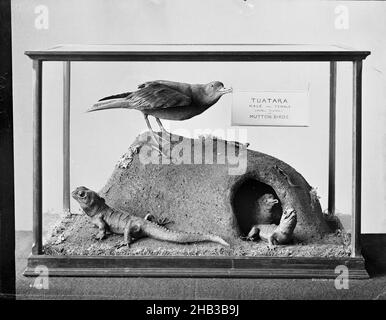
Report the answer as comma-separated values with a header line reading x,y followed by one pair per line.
x,y
264,205
132,227
275,234
286,176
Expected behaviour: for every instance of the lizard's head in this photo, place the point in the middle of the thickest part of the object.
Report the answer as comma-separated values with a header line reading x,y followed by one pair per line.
x,y
268,200
88,200
288,220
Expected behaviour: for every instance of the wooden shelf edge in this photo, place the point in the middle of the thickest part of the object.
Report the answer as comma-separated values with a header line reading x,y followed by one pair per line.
x,y
265,267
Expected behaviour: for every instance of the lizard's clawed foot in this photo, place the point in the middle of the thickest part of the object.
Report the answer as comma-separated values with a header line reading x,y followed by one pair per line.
x,y
271,247
254,234
247,238
100,236
164,221
160,221
149,217
122,244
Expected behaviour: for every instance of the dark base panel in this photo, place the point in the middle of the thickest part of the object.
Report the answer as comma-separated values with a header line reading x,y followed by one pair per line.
x,y
373,250
195,267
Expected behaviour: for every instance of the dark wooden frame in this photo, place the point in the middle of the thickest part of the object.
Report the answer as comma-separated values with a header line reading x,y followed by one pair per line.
x,y
7,205
197,267
235,266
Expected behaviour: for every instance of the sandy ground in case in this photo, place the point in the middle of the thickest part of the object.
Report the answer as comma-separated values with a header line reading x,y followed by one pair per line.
x,y
75,235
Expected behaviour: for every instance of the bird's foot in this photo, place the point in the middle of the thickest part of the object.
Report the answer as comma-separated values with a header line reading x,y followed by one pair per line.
x,y
157,139
161,153
164,134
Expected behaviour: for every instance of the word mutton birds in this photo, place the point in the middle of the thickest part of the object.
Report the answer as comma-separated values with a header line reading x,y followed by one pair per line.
x,y
167,100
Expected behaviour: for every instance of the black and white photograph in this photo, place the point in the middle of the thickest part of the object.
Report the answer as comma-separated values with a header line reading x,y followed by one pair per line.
x,y
201,151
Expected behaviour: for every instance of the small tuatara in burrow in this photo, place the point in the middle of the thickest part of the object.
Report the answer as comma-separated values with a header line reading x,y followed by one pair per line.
x,y
275,234
264,205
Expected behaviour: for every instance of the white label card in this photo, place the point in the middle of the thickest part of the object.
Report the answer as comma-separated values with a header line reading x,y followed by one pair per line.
x,y
271,108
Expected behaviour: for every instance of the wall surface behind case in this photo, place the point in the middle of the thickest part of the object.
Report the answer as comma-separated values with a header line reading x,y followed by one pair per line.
x,y
98,140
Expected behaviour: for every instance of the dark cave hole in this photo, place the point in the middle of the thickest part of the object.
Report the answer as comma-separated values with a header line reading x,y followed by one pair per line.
x,y
244,204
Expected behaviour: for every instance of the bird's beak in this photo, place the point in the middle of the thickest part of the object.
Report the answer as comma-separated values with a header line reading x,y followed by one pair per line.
x,y
226,90
108,104
273,201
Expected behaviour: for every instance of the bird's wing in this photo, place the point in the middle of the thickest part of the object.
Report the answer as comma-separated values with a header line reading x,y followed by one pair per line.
x,y
148,83
116,96
157,96
155,82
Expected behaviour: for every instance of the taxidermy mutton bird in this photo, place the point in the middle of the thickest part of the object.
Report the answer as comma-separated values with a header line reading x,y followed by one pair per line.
x,y
168,100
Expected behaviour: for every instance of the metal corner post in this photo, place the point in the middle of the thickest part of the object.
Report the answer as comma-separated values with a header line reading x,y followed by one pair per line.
x,y
66,136
357,158
37,157
332,140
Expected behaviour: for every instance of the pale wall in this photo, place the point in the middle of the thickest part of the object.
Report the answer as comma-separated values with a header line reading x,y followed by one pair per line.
x,y
99,139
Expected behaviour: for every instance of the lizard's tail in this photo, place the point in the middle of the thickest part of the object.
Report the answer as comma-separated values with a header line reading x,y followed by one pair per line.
x,y
155,231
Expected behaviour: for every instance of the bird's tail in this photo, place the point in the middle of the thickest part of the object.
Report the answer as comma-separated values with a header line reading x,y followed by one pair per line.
x,y
111,102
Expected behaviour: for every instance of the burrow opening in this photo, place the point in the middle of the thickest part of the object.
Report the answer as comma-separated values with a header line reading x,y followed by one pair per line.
x,y
244,204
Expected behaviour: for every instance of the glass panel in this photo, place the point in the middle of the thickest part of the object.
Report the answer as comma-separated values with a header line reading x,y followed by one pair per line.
x,y
200,198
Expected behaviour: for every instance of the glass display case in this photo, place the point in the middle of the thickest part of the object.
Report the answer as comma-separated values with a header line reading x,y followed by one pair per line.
x,y
240,198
